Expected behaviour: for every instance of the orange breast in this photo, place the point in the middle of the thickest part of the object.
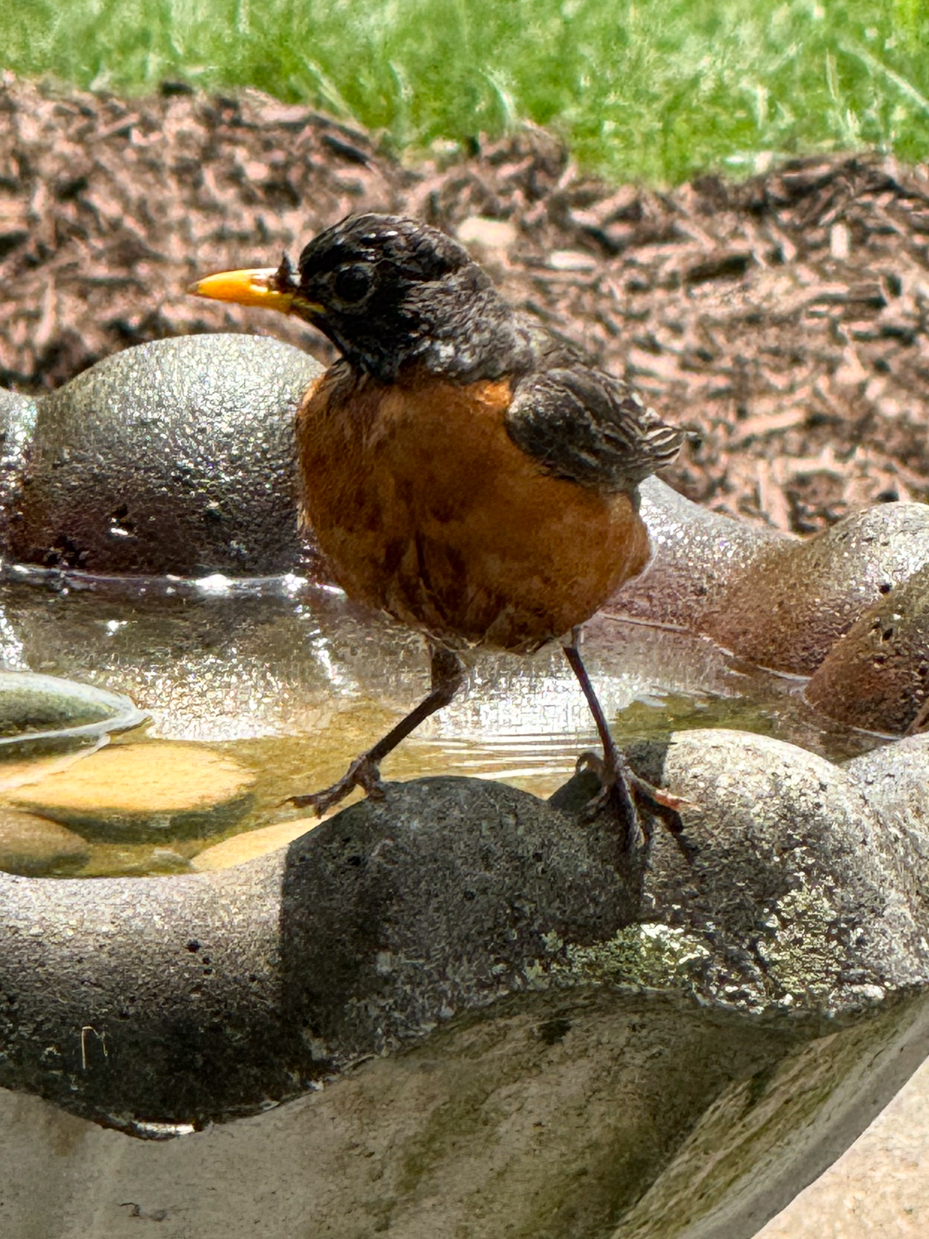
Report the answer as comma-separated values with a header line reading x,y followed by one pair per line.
x,y
426,509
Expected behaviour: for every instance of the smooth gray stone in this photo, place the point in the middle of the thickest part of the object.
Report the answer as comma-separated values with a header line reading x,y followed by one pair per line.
x,y
176,456
876,676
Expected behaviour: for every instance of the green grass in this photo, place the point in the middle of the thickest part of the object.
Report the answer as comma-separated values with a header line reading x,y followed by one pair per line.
x,y
656,89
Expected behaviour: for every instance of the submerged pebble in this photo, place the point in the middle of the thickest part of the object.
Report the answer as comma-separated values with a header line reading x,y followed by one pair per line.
x,y
33,846
144,791
253,843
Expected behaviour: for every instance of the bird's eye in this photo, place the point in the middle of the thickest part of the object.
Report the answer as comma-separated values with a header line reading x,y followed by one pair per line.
x,y
352,284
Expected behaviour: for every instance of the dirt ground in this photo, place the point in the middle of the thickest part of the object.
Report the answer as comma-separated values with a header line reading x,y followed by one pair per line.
x,y
782,319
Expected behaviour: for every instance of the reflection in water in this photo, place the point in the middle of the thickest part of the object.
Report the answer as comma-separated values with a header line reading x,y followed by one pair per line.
x,y
295,680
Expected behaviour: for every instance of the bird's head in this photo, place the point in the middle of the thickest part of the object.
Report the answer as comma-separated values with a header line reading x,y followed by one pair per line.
x,y
384,289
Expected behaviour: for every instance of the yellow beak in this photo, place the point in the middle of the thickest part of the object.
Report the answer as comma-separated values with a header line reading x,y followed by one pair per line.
x,y
253,287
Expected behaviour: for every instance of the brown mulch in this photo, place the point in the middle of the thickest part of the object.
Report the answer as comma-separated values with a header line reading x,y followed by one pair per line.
x,y
783,319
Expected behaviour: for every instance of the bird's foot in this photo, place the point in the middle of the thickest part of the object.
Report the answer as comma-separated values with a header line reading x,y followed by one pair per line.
x,y
614,797
363,773
622,793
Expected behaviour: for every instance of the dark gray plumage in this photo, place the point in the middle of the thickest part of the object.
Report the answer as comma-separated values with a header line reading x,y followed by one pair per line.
x,y
398,293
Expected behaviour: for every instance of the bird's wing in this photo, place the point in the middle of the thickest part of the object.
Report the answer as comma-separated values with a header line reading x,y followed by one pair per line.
x,y
584,425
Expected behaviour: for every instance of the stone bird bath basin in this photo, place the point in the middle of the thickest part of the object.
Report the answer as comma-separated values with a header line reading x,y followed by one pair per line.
x,y
462,1010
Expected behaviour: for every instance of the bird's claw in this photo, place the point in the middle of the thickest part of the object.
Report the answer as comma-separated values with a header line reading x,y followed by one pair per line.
x,y
363,773
614,797
624,793
593,762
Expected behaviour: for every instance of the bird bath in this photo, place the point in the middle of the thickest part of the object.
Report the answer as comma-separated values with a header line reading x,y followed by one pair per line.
x,y
461,1010
290,681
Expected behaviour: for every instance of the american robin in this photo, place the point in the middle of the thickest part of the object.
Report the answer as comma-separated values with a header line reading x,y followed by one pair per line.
x,y
464,470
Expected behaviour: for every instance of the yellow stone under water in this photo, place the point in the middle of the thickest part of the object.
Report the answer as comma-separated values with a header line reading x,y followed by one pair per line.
x,y
158,806
161,786
253,843
33,845
15,772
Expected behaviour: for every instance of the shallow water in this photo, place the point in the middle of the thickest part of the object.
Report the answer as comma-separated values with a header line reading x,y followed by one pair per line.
x,y
293,681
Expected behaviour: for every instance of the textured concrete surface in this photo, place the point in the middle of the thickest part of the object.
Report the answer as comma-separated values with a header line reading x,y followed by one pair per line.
x,y
542,1121
873,676
432,1143
178,455
783,894
879,1187
711,1022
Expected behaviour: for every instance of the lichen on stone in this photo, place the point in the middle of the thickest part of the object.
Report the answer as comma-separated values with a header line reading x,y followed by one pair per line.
x,y
645,955
804,957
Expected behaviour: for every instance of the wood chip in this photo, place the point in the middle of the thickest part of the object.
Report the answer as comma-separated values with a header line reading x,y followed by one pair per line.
x,y
759,313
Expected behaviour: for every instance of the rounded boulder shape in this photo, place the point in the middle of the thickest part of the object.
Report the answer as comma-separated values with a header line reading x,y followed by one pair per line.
x,y
173,457
800,597
877,676
500,1021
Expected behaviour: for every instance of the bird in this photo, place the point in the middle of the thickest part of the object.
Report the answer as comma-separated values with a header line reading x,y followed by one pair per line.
x,y
464,469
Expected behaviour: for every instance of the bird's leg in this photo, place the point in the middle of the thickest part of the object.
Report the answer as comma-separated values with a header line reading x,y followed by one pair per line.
x,y
447,671
621,787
